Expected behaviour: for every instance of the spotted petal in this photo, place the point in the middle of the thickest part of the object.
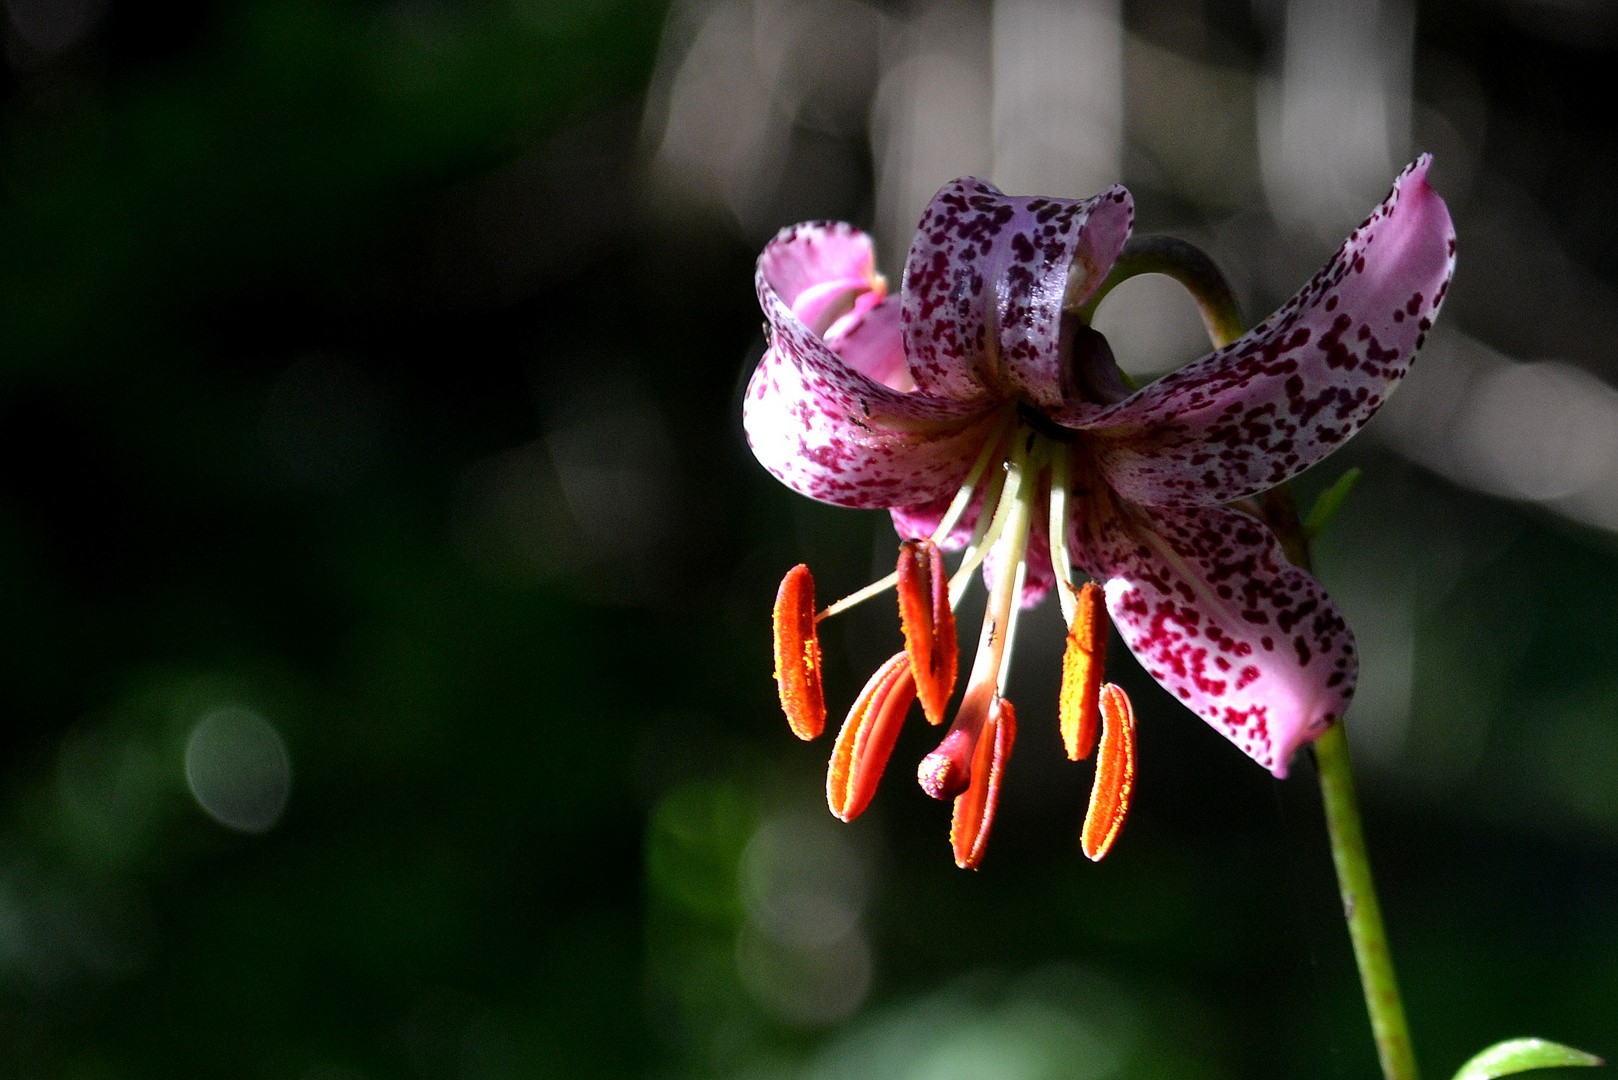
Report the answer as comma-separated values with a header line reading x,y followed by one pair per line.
x,y
818,269
1214,612
987,280
825,428
870,342
1285,395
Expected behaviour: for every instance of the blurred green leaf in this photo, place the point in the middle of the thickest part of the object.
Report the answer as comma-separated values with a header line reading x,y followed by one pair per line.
x,y
694,847
1328,503
1520,1055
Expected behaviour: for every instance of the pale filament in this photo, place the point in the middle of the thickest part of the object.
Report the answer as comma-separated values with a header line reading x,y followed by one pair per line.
x,y
1061,483
875,588
946,525
984,683
963,497
1020,472
983,534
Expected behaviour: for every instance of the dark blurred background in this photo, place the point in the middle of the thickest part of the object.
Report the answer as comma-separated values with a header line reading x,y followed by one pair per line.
x,y
384,581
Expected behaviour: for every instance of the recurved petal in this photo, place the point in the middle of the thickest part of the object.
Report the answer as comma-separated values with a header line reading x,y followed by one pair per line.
x,y
830,431
1289,392
986,282
1213,611
819,439
806,263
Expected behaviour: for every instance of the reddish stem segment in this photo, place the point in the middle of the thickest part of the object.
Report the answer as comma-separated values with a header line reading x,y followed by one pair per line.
x,y
797,654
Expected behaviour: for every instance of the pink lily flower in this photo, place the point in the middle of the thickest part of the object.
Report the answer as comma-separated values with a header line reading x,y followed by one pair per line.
x,y
980,409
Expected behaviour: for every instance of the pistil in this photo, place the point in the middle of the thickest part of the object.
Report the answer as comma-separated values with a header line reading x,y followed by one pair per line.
x,y
1018,504
1011,627
947,771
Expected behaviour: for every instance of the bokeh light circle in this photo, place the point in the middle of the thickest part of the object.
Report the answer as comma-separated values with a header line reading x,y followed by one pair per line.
x,y
238,769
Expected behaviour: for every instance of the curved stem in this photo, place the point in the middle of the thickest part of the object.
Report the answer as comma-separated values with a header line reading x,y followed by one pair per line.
x,y
1185,263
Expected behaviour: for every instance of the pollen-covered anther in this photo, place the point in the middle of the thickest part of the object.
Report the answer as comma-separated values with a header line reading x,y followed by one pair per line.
x,y
1083,667
1115,774
797,654
974,807
929,624
866,740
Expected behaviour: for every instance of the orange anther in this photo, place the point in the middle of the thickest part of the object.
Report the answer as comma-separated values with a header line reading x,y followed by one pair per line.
x,y
867,738
974,807
929,624
797,654
1115,774
1083,667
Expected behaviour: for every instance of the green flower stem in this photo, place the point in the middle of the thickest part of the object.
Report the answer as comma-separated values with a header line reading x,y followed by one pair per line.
x,y
1348,855
1192,268
1354,883
1361,908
